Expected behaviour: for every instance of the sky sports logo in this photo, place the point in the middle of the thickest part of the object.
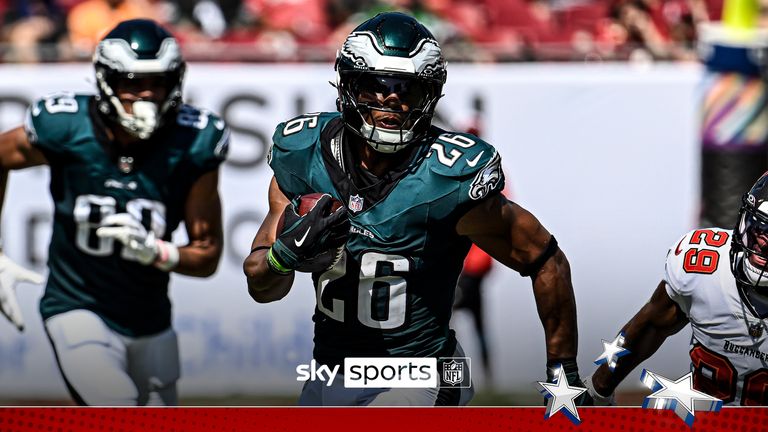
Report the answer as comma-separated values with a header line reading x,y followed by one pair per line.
x,y
392,372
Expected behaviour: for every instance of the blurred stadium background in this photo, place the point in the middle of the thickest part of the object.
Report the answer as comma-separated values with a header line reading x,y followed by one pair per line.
x,y
311,30
597,106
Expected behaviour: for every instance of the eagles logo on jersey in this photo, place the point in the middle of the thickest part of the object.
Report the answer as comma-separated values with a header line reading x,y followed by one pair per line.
x,y
487,180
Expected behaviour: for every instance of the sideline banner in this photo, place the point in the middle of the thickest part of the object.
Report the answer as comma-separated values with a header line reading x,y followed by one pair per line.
x,y
604,155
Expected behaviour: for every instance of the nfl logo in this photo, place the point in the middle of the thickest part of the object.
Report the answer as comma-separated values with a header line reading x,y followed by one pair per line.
x,y
355,203
125,164
756,330
453,372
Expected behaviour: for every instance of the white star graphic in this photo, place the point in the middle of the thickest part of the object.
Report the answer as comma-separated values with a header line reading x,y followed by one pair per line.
x,y
560,395
612,351
679,396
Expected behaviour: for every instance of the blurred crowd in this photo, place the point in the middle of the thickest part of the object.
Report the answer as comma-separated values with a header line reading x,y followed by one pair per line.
x,y
312,30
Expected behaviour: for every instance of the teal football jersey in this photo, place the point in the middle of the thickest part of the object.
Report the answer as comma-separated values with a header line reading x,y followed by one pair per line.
x,y
92,178
392,292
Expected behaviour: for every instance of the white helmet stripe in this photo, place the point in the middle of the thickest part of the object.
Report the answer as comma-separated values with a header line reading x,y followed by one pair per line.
x,y
363,49
118,56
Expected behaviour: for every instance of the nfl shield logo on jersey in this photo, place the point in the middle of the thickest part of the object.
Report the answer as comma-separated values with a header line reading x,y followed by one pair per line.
x,y
355,203
125,164
756,330
453,372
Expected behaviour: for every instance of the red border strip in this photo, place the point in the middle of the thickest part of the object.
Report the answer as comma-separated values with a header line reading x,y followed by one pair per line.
x,y
364,419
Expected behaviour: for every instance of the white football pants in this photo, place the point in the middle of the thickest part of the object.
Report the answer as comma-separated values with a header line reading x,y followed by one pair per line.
x,y
102,367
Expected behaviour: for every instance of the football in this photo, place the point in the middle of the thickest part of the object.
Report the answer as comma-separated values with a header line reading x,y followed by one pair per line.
x,y
306,203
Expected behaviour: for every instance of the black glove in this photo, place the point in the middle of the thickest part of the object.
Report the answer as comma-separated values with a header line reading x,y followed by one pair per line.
x,y
312,242
571,370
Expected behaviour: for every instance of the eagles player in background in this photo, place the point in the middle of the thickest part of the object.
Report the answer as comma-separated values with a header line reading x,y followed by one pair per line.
x,y
127,166
716,280
416,198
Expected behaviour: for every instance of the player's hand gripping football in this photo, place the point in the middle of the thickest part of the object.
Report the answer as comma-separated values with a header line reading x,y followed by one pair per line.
x,y
10,275
312,242
138,243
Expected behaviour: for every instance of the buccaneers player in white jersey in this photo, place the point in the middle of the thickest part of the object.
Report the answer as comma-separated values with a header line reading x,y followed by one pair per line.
x,y
716,280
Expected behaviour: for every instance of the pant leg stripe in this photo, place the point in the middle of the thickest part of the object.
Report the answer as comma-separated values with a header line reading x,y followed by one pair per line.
x,y
72,392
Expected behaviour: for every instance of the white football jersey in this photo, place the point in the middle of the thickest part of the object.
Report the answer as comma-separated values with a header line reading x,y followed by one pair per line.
x,y
729,348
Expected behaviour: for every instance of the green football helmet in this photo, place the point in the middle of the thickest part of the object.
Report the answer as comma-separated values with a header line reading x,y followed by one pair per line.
x,y
136,50
391,53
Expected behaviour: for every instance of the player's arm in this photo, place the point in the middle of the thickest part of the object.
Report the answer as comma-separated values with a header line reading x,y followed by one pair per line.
x,y
16,152
658,319
264,284
202,219
514,237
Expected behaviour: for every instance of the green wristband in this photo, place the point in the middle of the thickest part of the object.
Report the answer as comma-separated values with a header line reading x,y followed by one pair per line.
x,y
275,266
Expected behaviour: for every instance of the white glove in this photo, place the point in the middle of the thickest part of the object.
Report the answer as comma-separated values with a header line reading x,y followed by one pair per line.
x,y
10,275
599,399
138,243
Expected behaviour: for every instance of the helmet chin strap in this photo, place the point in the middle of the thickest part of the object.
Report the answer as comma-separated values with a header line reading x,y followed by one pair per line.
x,y
144,120
755,275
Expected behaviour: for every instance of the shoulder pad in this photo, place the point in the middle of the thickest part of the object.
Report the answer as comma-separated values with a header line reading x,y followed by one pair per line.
x,y
61,103
698,252
295,150
210,144
200,119
53,120
301,132
473,163
459,154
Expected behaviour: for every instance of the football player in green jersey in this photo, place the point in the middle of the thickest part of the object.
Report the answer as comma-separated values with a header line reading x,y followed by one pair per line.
x,y
416,198
127,166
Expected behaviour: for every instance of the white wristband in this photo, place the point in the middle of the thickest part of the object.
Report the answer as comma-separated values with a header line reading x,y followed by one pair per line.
x,y
599,399
167,256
